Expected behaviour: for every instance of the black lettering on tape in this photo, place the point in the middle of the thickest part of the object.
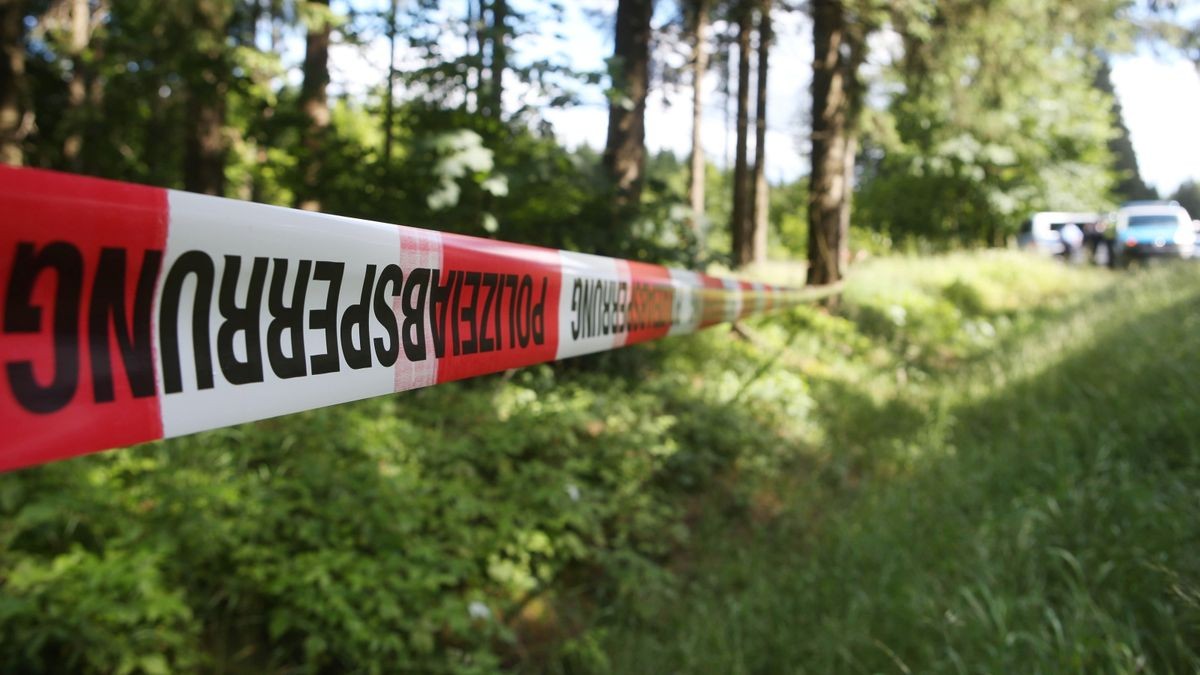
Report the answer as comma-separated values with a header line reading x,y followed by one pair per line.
x,y
108,307
21,316
468,314
458,284
386,316
327,318
289,318
439,304
413,305
356,322
524,301
538,316
636,308
606,292
576,298
511,282
190,263
487,344
244,320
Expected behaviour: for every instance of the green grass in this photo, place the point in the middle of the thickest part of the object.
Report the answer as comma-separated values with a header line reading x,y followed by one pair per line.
x,y
982,462
1020,498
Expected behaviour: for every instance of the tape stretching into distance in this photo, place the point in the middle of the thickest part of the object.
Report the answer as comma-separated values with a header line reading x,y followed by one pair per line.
x,y
134,313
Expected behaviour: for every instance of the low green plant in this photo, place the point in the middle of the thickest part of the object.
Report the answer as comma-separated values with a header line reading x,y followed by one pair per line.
x,y
1033,510
816,492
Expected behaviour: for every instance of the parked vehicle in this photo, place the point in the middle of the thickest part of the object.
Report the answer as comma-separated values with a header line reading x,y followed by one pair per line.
x,y
1043,232
1153,230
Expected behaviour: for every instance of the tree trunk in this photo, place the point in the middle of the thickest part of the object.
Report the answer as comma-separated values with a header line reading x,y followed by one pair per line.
x,y
478,31
726,102
624,156
741,225
204,144
13,120
849,152
314,105
204,150
470,74
699,67
389,113
499,62
625,148
836,98
276,12
254,15
759,217
81,16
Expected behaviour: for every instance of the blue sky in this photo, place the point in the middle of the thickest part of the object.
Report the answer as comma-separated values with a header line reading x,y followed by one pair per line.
x,y
1160,94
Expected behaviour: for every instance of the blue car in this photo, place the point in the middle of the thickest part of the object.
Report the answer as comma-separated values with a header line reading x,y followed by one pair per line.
x,y
1153,230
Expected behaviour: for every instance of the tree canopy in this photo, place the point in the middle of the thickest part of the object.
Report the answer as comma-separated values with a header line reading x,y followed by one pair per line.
x,y
459,528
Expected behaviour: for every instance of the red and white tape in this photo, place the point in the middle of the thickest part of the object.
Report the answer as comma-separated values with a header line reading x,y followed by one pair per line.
x,y
134,313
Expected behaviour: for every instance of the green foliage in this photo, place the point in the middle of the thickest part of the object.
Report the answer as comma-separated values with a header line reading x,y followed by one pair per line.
x,y
563,516
1188,196
788,213
408,533
1023,503
82,611
995,116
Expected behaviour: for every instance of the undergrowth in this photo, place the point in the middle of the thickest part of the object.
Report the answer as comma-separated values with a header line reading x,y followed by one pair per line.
x,y
1024,498
979,462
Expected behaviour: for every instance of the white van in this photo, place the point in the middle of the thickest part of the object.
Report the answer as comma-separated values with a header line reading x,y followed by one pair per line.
x,y
1043,231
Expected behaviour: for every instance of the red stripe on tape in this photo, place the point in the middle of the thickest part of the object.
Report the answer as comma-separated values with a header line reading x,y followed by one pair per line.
x,y
500,302
132,312
81,270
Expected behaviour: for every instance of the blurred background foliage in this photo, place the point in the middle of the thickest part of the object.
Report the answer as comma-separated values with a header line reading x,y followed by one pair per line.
x,y
980,114
566,518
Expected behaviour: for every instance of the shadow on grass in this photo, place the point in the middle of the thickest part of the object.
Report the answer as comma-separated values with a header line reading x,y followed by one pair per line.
x,y
1053,525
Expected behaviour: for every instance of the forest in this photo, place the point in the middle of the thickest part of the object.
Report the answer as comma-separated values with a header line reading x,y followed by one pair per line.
x,y
945,470
945,123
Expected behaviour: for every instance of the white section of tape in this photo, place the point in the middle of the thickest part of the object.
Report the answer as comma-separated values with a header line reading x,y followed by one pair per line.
x,y
418,248
621,338
685,314
588,303
760,298
222,227
733,299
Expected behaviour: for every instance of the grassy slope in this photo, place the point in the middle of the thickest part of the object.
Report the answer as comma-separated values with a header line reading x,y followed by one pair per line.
x,y
985,463
1019,492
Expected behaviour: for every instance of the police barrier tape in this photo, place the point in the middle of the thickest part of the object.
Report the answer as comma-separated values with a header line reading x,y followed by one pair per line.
x,y
134,313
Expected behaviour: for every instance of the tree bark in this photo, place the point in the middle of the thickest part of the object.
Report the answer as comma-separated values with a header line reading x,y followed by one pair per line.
x,y
477,31
314,105
204,116
389,112
699,68
470,74
836,98
759,212
81,16
849,152
14,122
741,225
499,61
276,12
625,148
204,150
